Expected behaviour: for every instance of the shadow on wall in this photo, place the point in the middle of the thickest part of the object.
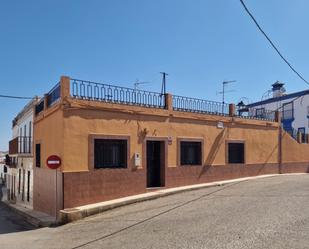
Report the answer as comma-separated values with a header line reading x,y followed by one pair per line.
x,y
270,155
220,139
214,150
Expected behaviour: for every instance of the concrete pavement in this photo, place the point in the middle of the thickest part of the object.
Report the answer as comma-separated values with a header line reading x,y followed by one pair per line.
x,y
10,222
262,213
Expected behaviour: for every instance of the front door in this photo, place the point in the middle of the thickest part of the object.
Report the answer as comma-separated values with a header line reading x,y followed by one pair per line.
x,y
155,163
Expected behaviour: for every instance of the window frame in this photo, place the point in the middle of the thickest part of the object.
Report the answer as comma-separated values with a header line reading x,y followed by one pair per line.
x,y
93,137
183,139
227,142
40,162
292,110
261,114
303,134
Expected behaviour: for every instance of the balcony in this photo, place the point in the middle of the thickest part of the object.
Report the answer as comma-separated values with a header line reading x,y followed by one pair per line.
x,y
11,162
21,145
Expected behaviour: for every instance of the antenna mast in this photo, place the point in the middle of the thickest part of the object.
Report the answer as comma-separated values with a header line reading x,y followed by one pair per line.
x,y
224,83
163,88
137,83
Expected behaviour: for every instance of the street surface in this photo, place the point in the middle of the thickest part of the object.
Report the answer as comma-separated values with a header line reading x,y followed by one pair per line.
x,y
263,213
10,222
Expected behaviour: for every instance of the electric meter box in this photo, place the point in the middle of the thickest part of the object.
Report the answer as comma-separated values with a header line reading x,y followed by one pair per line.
x,y
137,159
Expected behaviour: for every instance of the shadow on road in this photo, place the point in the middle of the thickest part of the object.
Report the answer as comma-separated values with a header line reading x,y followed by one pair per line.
x,y
11,222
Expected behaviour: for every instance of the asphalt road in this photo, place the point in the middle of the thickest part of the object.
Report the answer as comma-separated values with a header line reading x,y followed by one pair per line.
x,y
10,222
262,213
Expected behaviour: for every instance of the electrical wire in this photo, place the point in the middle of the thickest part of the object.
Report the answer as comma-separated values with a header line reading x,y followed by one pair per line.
x,y
272,44
15,97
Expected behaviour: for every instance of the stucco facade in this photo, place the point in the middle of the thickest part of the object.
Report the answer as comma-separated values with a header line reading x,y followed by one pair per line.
x,y
67,129
20,170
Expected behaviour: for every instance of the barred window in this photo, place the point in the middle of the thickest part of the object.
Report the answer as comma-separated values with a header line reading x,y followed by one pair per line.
x,y
190,153
110,153
236,153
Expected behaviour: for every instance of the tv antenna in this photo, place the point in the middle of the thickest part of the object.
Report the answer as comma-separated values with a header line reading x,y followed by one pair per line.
x,y
137,83
266,95
224,83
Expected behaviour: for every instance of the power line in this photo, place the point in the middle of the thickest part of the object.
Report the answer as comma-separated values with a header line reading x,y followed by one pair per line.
x,y
15,97
272,44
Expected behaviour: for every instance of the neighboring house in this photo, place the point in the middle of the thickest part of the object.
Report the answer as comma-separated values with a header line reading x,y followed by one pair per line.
x,y
3,168
112,142
294,109
20,160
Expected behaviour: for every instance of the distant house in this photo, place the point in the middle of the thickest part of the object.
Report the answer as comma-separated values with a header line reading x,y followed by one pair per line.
x,y
20,158
294,108
3,168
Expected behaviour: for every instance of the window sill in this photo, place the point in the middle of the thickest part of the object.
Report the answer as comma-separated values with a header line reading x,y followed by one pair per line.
x,y
190,165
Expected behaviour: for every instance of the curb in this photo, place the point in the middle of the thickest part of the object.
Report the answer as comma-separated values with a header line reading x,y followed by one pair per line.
x,y
77,213
33,220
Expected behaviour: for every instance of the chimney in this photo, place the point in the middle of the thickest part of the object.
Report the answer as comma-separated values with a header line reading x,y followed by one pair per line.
x,y
278,89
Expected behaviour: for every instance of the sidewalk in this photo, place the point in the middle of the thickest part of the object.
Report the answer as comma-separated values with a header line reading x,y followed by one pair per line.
x,y
38,219
73,214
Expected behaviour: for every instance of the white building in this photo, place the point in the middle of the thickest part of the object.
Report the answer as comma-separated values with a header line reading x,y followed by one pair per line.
x,y
294,109
20,171
3,168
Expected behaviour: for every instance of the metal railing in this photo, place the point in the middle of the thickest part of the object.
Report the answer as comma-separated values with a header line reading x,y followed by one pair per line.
x,y
94,91
24,145
54,95
20,145
39,107
266,115
187,104
11,162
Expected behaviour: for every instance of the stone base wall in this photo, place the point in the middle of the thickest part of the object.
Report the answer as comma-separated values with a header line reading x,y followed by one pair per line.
x,y
82,188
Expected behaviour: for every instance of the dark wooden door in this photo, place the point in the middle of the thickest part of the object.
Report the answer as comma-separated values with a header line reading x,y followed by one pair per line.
x,y
154,159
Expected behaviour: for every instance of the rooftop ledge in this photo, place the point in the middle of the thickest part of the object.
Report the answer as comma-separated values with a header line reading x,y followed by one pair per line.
x,y
94,93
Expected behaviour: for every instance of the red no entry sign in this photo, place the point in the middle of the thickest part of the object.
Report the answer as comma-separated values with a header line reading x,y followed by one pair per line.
x,y
53,162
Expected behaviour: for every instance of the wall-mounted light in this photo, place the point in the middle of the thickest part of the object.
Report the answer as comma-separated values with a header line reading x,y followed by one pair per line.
x,y
220,125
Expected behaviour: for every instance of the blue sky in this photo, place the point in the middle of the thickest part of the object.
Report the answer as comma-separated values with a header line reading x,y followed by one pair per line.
x,y
199,43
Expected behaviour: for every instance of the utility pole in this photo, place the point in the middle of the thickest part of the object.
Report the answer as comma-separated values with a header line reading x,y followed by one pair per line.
x,y
163,88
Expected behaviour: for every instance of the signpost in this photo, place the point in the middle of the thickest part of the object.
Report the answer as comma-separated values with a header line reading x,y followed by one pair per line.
x,y
53,162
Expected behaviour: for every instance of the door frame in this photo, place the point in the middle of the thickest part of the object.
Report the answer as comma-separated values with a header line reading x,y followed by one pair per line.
x,y
164,140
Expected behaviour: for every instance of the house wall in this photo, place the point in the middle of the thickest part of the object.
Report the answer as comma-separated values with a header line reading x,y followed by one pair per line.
x,y
66,130
301,115
293,151
24,166
84,185
48,131
18,177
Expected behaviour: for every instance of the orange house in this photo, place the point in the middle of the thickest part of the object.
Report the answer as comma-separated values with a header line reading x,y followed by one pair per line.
x,y
115,141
